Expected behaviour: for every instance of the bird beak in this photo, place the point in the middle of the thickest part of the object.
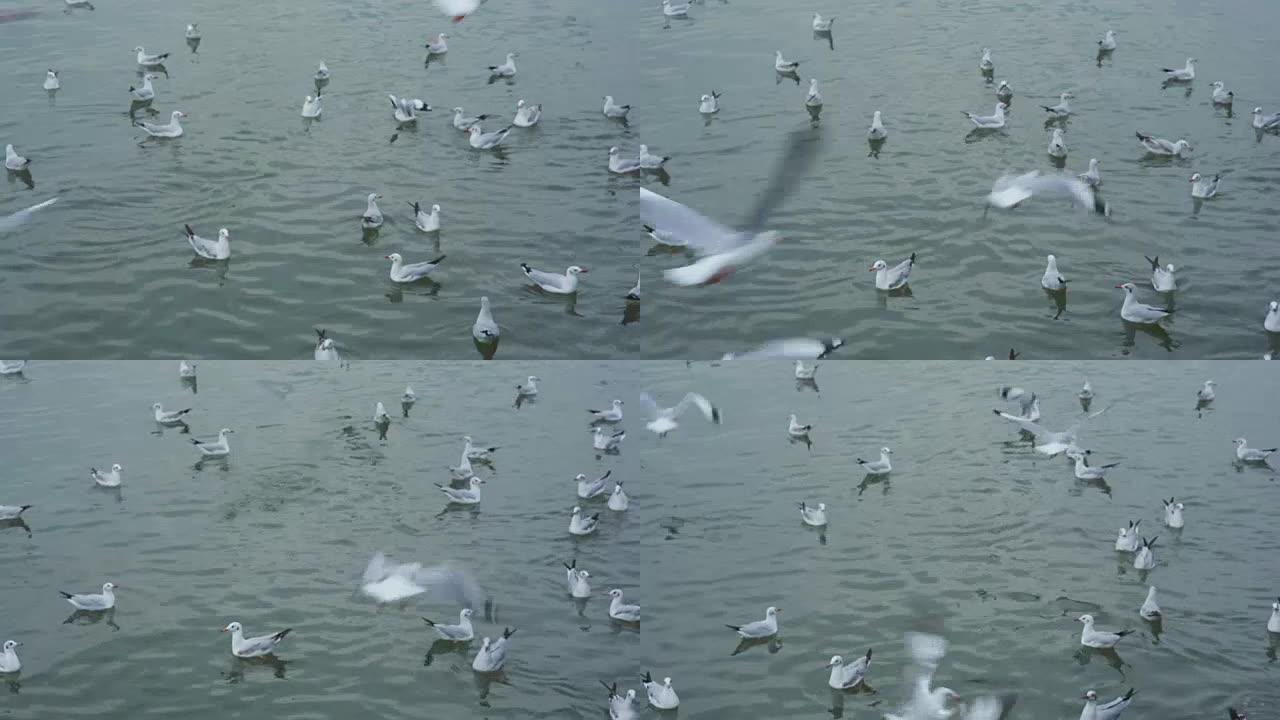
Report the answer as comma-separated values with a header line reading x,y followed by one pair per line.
x,y
386,257
225,628
1120,286
873,267
583,270
777,610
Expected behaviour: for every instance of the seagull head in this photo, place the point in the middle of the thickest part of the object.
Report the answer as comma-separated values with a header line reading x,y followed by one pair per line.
x,y
476,481
435,208
615,593
139,49
1238,442
1191,61
1257,110
1091,696
179,114
1274,306
822,507
1195,177
466,613
225,431
474,130
878,265
395,258
574,270
616,402
1127,287
11,644
835,660
108,587
580,477
577,510
1086,619
772,611
233,628
224,234
116,468
374,196
885,451
326,344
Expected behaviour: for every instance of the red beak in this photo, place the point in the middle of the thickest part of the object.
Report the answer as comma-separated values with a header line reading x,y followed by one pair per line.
x,y
873,267
458,18
388,257
1120,286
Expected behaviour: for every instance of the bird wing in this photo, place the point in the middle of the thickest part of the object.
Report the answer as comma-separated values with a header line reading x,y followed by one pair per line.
x,y
803,348
650,405
1031,427
687,226
449,584
708,410
540,277
203,247
20,217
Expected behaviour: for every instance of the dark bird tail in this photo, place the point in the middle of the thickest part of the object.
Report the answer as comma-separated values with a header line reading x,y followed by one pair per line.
x,y
1155,261
280,635
437,260
429,622
23,508
646,677
525,267
1129,694
1122,633
735,628
1142,137
320,333
66,595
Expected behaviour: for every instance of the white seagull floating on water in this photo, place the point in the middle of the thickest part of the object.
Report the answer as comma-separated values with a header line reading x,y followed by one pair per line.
x,y
1092,177
527,115
171,129
619,610
877,131
994,121
709,104
506,69
1052,278
469,495
614,110
1108,41
580,524
1108,711
1202,188
1057,144
311,107
805,373
661,697
680,8
219,249
243,647
372,217
618,500
1271,322
813,98
815,516
766,628
147,91
170,417
878,467
149,60
437,45
892,278
462,632
426,221
611,414
795,429
1085,471
1063,108
411,272
492,656
530,388
1145,558
621,707
1101,639
555,283
1160,146
108,479
1265,122
1138,312
822,25
93,602
648,161
51,80
1244,453
193,31
578,585
1150,610
404,109
1128,539
784,65
322,71
220,448
1173,513
1182,74
1205,394
1004,93
325,349
1221,95
9,662
623,165
482,140
12,512
663,420
463,122
588,488
847,675
985,64
485,329
1162,278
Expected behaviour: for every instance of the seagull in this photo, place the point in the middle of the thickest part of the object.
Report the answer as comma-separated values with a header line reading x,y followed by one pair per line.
x,y
1160,146
482,140
462,632
1089,637
12,367
555,283
380,414
813,98
171,129
221,448
78,4
878,467
785,66
530,388
614,110
9,662
1206,394
926,703
409,396
766,628
678,9
877,131
1108,42
1092,177
93,602
386,581
170,417
588,489
403,109
1271,323
1162,278
618,610
985,63
372,217
1222,96
1128,540
1150,610
822,25
12,512
1004,93
465,496
1273,623
219,249
322,71
457,9
817,517
111,479
888,278
994,121
663,420
485,329
426,221
618,500
1057,144
1145,558
1048,442
1204,189
51,80
506,69
493,656
1109,711
709,104
149,60
1063,108
243,647
661,697
1086,391
1244,453
848,675
649,161
1052,279
578,585
412,272
1087,472
325,348
463,470
526,115
1137,312
633,295
480,454
805,348
612,414
805,373
581,525
621,707
193,32
623,165
610,443
147,91
795,429
1265,122
464,123
1183,74
1173,513
437,45
311,107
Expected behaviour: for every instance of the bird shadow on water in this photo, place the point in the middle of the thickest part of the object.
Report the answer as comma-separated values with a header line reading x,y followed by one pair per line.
x,y
802,385
802,440
870,480
780,76
874,145
218,463
772,644
486,681
444,647
240,666
631,312
15,523
93,617
1157,333
425,287
1085,655
825,35
1059,298
838,697
1103,55
24,175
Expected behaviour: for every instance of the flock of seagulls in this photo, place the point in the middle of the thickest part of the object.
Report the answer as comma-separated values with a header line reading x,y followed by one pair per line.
x,y
722,251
